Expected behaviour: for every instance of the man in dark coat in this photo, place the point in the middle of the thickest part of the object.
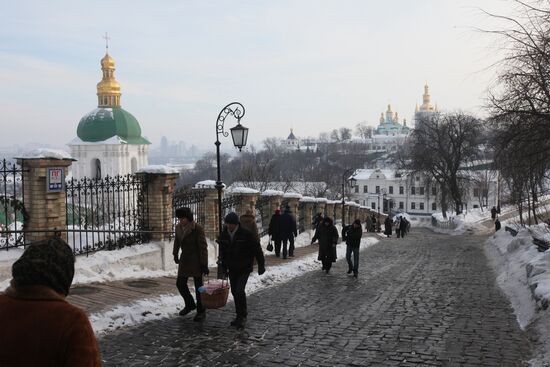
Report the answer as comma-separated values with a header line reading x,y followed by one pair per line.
x,y
387,226
238,248
368,224
403,224
192,262
497,225
493,213
274,230
352,235
288,232
327,234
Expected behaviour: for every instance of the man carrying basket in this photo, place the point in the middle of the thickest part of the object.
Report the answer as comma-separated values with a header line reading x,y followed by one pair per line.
x,y
193,261
238,248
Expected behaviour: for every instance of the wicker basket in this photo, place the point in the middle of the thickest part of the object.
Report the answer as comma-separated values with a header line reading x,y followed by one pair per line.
x,y
218,298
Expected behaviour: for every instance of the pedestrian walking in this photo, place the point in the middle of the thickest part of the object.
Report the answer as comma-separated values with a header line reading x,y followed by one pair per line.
x,y
368,224
192,261
352,235
288,232
493,213
39,326
238,249
374,224
387,226
317,220
274,230
403,224
248,222
397,226
497,225
327,234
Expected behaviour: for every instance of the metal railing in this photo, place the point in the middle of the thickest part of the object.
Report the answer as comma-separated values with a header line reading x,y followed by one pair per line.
x,y
13,214
263,216
193,199
107,213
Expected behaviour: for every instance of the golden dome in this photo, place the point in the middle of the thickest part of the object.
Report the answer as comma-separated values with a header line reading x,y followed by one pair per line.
x,y
107,62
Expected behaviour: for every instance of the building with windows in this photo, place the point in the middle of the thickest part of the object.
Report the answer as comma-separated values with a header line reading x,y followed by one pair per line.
x,y
390,191
109,140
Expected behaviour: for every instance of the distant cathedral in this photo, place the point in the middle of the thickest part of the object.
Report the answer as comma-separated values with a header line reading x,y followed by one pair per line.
x,y
426,109
109,140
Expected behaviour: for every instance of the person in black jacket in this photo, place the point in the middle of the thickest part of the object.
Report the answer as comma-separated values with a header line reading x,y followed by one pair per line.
x,y
274,230
327,234
238,248
352,235
288,232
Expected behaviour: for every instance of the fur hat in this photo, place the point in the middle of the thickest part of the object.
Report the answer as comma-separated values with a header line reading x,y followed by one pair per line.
x,y
231,218
48,262
184,213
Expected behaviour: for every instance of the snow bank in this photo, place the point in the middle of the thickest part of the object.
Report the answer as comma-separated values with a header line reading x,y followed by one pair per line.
x,y
243,190
167,305
46,153
158,168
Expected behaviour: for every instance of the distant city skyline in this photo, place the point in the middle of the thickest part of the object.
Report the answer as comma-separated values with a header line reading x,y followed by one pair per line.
x,y
311,65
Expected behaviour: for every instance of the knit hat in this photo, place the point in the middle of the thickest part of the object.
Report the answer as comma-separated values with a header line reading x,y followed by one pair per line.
x,y
277,211
184,213
48,262
231,218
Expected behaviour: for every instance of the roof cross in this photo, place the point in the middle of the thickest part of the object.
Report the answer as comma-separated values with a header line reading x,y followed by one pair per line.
x,y
106,38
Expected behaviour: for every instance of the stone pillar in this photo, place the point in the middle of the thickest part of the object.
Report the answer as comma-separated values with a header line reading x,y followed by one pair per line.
x,y
329,207
321,203
160,190
248,202
274,203
211,213
308,217
338,210
294,204
47,210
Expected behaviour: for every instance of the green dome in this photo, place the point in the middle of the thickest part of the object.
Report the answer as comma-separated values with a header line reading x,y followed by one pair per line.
x,y
104,123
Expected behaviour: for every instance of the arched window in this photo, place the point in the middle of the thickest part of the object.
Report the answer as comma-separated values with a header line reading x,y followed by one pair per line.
x,y
134,165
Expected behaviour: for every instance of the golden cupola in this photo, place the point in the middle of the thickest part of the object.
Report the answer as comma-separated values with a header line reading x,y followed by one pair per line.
x,y
108,89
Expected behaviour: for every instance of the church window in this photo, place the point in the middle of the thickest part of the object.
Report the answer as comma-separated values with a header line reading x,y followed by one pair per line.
x,y
401,190
378,189
391,189
133,164
96,168
365,189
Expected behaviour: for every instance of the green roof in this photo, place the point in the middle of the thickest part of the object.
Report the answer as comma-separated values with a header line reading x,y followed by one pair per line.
x,y
104,123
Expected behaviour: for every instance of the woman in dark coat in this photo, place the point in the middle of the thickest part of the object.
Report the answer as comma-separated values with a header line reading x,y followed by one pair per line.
x,y
191,254
327,234
387,226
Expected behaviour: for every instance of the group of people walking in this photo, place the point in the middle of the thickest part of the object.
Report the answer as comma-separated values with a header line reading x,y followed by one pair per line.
x,y
283,231
401,226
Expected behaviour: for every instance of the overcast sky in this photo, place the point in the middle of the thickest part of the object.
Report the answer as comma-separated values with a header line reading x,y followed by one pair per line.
x,y
311,65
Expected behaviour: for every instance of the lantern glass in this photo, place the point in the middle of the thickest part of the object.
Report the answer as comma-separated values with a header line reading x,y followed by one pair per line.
x,y
239,134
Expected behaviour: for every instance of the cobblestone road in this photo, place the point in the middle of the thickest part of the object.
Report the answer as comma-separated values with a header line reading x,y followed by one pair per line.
x,y
427,300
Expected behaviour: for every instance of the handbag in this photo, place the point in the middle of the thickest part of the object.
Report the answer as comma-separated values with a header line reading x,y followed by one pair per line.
x,y
269,245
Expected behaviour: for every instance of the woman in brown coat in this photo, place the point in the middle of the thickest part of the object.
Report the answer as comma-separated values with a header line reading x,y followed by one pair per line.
x,y
192,262
248,222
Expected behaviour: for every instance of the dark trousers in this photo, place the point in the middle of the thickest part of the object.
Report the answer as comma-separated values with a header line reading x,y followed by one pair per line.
x,y
327,263
277,247
181,283
291,246
238,285
355,250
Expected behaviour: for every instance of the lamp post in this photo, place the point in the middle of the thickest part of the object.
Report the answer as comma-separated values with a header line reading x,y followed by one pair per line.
x,y
239,134
352,182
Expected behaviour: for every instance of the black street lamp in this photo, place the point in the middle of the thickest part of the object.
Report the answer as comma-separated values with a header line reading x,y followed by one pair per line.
x,y
352,182
239,134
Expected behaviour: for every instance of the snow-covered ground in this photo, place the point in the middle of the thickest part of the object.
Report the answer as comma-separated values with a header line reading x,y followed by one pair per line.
x,y
168,305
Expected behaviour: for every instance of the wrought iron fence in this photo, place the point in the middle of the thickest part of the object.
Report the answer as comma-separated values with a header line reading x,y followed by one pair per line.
x,y
230,203
193,199
107,213
263,216
13,214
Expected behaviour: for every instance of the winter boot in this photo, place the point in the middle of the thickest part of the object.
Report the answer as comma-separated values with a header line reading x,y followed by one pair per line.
x,y
350,270
186,310
200,316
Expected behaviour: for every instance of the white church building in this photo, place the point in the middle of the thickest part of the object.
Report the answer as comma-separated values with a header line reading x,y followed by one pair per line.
x,y
109,140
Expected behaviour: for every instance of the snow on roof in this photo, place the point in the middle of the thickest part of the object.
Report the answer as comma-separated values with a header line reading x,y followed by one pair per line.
x,y
206,184
366,174
292,195
157,168
243,190
114,140
308,199
272,193
46,153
